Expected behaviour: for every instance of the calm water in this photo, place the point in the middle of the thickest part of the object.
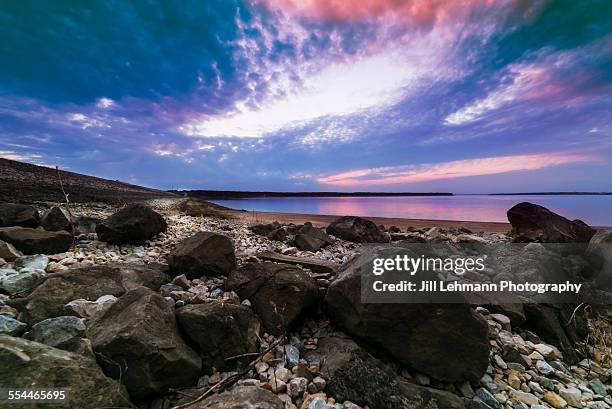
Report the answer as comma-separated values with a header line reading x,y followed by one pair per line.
x,y
595,210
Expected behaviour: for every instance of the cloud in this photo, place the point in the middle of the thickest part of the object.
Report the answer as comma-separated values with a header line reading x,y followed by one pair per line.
x,y
105,103
407,174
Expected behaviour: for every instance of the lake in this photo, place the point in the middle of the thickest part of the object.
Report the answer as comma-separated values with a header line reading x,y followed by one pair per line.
x,y
593,209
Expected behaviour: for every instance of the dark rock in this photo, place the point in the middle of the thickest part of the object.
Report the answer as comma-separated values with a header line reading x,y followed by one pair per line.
x,y
357,230
56,219
599,253
28,364
264,229
36,241
305,242
446,341
280,293
279,234
221,330
18,215
531,222
133,224
86,225
394,229
205,253
58,289
137,340
558,325
242,397
511,354
8,252
355,375
315,265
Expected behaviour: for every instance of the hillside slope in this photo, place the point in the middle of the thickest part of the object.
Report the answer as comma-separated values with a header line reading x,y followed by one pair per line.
x,y
23,182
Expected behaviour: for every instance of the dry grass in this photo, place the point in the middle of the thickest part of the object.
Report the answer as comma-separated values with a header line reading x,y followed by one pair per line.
x,y
200,208
600,339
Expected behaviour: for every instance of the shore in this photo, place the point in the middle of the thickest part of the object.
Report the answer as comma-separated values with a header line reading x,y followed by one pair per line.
x,y
320,220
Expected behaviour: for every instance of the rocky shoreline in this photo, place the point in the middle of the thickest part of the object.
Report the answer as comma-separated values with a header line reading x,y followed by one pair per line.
x,y
162,308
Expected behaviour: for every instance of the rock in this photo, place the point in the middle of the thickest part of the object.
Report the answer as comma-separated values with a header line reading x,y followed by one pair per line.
x,y
571,395
554,400
357,230
598,387
487,398
11,326
88,309
599,252
35,262
544,368
549,322
86,224
525,397
27,364
265,229
25,280
36,241
221,331
89,283
55,219
8,252
292,355
133,224
446,341
280,293
307,243
313,264
353,374
296,387
503,320
531,222
205,253
137,340
242,397
18,215
67,333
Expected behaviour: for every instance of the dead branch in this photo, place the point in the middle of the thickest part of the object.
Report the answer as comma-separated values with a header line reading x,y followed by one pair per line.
x,y
67,204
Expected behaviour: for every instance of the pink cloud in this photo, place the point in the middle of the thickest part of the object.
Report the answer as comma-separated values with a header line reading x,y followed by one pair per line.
x,y
407,174
419,12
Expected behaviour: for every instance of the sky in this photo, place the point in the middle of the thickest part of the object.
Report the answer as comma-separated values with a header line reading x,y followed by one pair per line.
x,y
464,96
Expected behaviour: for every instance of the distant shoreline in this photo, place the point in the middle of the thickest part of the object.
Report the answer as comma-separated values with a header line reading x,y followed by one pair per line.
x,y
231,194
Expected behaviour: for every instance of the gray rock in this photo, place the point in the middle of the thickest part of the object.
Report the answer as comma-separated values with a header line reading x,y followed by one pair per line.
x,y
544,368
55,219
34,262
292,355
571,395
598,387
11,326
357,229
21,282
65,333
488,398
28,364
149,355
8,252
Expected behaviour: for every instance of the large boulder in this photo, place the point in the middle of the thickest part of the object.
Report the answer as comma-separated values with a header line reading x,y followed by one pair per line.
x,y
599,252
18,215
221,330
353,374
357,230
531,222
49,299
56,219
446,341
280,293
241,397
310,238
36,241
137,340
133,224
28,364
205,253
11,326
